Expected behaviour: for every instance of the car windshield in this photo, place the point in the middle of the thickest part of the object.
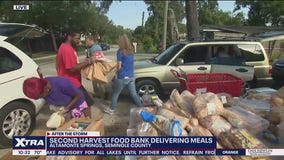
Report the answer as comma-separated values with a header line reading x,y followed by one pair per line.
x,y
168,54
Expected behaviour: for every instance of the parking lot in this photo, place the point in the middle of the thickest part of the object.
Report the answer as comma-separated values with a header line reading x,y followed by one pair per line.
x,y
115,125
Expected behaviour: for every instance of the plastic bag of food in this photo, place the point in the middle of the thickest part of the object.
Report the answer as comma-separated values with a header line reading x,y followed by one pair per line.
x,y
263,93
252,122
172,107
146,129
235,119
165,125
173,116
199,131
56,119
274,115
215,124
280,92
276,101
177,99
188,98
207,104
261,106
151,100
240,138
226,99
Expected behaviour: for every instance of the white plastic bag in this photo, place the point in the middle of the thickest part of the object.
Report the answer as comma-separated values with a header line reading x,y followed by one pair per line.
x,y
56,119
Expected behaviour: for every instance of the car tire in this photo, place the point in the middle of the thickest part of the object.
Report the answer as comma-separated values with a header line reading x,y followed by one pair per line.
x,y
20,116
146,87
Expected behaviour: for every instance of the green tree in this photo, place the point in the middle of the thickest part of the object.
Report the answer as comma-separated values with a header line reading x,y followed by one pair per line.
x,y
262,12
138,32
50,15
154,24
210,14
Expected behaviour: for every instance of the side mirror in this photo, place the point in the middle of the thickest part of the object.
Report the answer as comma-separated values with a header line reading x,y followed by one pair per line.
x,y
179,61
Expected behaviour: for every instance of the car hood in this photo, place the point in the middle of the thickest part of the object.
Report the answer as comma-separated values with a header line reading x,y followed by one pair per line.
x,y
280,61
145,66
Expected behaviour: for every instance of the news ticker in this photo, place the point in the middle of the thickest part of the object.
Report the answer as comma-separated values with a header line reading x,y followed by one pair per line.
x,y
66,143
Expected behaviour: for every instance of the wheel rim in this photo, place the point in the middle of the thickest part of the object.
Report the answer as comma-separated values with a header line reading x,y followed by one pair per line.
x,y
146,89
16,123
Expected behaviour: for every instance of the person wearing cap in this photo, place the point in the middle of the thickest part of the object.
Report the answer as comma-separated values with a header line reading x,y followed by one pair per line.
x,y
58,91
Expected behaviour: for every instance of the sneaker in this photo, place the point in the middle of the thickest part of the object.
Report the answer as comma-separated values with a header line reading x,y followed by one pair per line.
x,y
109,111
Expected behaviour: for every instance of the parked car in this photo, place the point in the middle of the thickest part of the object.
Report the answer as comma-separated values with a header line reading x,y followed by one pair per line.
x,y
17,112
154,77
278,70
104,46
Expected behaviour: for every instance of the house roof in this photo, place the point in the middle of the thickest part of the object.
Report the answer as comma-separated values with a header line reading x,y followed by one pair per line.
x,y
251,32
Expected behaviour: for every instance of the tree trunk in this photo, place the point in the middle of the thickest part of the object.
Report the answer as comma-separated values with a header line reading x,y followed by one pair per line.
x,y
172,27
192,23
165,25
53,39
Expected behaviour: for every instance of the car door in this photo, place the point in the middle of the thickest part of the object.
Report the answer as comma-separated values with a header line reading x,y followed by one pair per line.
x,y
191,59
244,72
195,59
233,64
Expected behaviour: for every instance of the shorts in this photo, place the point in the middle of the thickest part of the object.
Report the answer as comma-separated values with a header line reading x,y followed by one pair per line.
x,y
78,111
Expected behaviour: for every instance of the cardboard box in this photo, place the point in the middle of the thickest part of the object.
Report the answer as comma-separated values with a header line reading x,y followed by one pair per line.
x,y
91,125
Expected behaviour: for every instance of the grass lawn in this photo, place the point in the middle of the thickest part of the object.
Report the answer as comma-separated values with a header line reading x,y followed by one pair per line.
x,y
43,54
48,53
50,59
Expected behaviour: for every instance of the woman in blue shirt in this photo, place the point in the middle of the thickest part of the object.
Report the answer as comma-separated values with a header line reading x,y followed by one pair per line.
x,y
125,69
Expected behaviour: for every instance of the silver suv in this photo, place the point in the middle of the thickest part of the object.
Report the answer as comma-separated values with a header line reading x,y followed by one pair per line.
x,y
247,60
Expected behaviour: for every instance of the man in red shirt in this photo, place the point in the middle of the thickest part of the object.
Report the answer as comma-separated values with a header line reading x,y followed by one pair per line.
x,y
68,64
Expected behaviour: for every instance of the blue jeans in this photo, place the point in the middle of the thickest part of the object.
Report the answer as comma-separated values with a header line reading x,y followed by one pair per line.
x,y
119,85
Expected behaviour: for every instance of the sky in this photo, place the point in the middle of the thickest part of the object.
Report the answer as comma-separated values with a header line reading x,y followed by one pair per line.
x,y
129,13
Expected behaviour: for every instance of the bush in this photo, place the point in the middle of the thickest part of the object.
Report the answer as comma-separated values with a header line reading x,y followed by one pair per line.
x,y
148,44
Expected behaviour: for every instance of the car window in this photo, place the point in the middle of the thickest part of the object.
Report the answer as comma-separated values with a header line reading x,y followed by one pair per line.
x,y
251,52
8,61
168,54
226,55
194,54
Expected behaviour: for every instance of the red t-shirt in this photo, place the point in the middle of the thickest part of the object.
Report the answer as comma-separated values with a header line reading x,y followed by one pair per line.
x,y
66,59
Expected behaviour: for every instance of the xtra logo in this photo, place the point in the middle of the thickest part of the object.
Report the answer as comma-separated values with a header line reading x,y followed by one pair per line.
x,y
29,142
